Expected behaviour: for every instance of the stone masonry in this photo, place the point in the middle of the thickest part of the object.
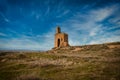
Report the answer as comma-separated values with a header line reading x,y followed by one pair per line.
x,y
61,39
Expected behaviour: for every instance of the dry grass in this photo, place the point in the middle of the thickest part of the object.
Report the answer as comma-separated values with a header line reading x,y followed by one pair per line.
x,y
97,62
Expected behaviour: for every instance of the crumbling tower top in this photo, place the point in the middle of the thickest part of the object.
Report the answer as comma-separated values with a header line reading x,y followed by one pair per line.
x,y
61,39
58,30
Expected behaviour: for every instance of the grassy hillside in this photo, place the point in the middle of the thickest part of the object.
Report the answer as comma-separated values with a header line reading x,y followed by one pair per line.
x,y
91,62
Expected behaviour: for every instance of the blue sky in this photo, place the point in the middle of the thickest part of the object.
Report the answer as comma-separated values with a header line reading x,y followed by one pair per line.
x,y
30,24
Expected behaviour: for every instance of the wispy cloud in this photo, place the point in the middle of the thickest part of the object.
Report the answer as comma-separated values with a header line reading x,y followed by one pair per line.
x,y
83,28
101,14
105,40
4,17
3,34
25,42
36,28
63,13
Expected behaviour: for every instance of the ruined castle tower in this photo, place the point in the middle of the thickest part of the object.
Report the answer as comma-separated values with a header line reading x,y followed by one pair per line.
x,y
61,39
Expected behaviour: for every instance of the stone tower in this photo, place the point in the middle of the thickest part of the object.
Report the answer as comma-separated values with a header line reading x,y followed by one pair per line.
x,y
61,39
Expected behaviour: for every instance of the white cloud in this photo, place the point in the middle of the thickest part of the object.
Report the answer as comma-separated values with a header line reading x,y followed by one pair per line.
x,y
4,17
19,43
83,28
7,20
115,20
105,40
22,41
95,30
101,14
75,43
2,34
63,13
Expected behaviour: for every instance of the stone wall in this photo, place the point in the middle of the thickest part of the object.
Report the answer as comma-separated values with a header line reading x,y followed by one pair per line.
x,y
61,39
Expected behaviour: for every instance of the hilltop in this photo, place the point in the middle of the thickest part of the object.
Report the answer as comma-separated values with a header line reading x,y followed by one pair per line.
x,y
88,62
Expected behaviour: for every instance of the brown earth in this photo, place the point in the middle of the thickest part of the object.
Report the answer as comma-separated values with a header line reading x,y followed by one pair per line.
x,y
88,62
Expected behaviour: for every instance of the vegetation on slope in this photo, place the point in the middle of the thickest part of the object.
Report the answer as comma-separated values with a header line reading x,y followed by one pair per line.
x,y
99,62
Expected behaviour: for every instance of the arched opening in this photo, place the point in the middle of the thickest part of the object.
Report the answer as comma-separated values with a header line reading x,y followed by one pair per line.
x,y
58,42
